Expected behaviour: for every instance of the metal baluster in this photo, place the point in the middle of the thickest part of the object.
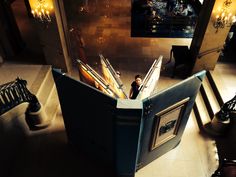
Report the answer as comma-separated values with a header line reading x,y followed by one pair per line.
x,y
13,91
27,93
19,97
1,103
6,105
5,98
11,100
22,93
1,98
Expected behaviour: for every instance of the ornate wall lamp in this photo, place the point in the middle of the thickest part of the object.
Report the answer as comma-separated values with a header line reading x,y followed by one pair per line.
x,y
41,9
224,17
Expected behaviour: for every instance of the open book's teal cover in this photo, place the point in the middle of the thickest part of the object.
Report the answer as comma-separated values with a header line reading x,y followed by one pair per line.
x,y
120,132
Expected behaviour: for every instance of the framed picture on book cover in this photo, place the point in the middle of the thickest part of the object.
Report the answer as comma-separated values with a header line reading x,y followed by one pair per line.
x,y
166,123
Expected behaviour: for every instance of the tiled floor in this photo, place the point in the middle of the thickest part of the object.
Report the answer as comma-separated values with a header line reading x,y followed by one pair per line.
x,y
10,71
194,157
226,79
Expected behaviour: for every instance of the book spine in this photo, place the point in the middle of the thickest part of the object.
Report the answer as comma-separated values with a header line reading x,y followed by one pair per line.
x,y
127,131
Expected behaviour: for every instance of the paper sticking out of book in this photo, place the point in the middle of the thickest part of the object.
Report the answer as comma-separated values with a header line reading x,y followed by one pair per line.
x,y
111,84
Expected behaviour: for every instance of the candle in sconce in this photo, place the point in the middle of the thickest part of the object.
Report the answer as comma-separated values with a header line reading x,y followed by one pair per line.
x,y
48,16
233,19
33,13
42,10
40,16
222,15
217,17
226,20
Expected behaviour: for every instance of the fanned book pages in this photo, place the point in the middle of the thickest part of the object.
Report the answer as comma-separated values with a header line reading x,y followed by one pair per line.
x,y
112,78
151,79
112,85
92,78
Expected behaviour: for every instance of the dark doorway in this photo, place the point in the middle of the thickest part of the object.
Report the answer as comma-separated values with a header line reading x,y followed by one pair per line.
x,y
32,51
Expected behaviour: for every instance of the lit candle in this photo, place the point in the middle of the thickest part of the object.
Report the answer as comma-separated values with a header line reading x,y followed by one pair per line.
x,y
42,10
233,19
40,16
33,13
36,12
223,14
226,20
48,16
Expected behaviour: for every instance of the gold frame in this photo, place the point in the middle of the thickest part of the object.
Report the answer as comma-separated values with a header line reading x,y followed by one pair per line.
x,y
166,123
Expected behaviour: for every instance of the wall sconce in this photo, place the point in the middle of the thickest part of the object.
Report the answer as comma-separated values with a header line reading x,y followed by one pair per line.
x,y
41,9
224,17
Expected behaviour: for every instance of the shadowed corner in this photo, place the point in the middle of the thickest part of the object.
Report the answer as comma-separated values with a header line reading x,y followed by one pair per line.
x,y
52,156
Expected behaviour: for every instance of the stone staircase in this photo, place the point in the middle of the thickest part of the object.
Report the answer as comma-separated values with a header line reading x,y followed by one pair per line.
x,y
217,88
45,90
209,100
14,131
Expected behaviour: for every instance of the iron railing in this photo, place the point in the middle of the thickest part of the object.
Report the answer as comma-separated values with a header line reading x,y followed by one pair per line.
x,y
14,93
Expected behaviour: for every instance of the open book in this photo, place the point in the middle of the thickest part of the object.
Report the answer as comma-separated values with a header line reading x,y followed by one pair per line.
x,y
124,134
111,83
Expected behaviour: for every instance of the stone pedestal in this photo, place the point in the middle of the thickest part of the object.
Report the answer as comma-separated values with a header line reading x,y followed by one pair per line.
x,y
37,120
217,127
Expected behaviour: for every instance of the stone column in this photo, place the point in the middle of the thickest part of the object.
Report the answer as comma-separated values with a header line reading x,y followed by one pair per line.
x,y
208,41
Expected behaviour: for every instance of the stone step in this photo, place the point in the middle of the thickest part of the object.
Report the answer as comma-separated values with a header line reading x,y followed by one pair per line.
x,y
216,85
43,84
51,107
47,94
13,127
10,71
201,112
209,98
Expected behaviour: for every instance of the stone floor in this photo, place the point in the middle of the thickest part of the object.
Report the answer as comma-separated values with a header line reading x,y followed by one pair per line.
x,y
10,71
226,78
194,157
